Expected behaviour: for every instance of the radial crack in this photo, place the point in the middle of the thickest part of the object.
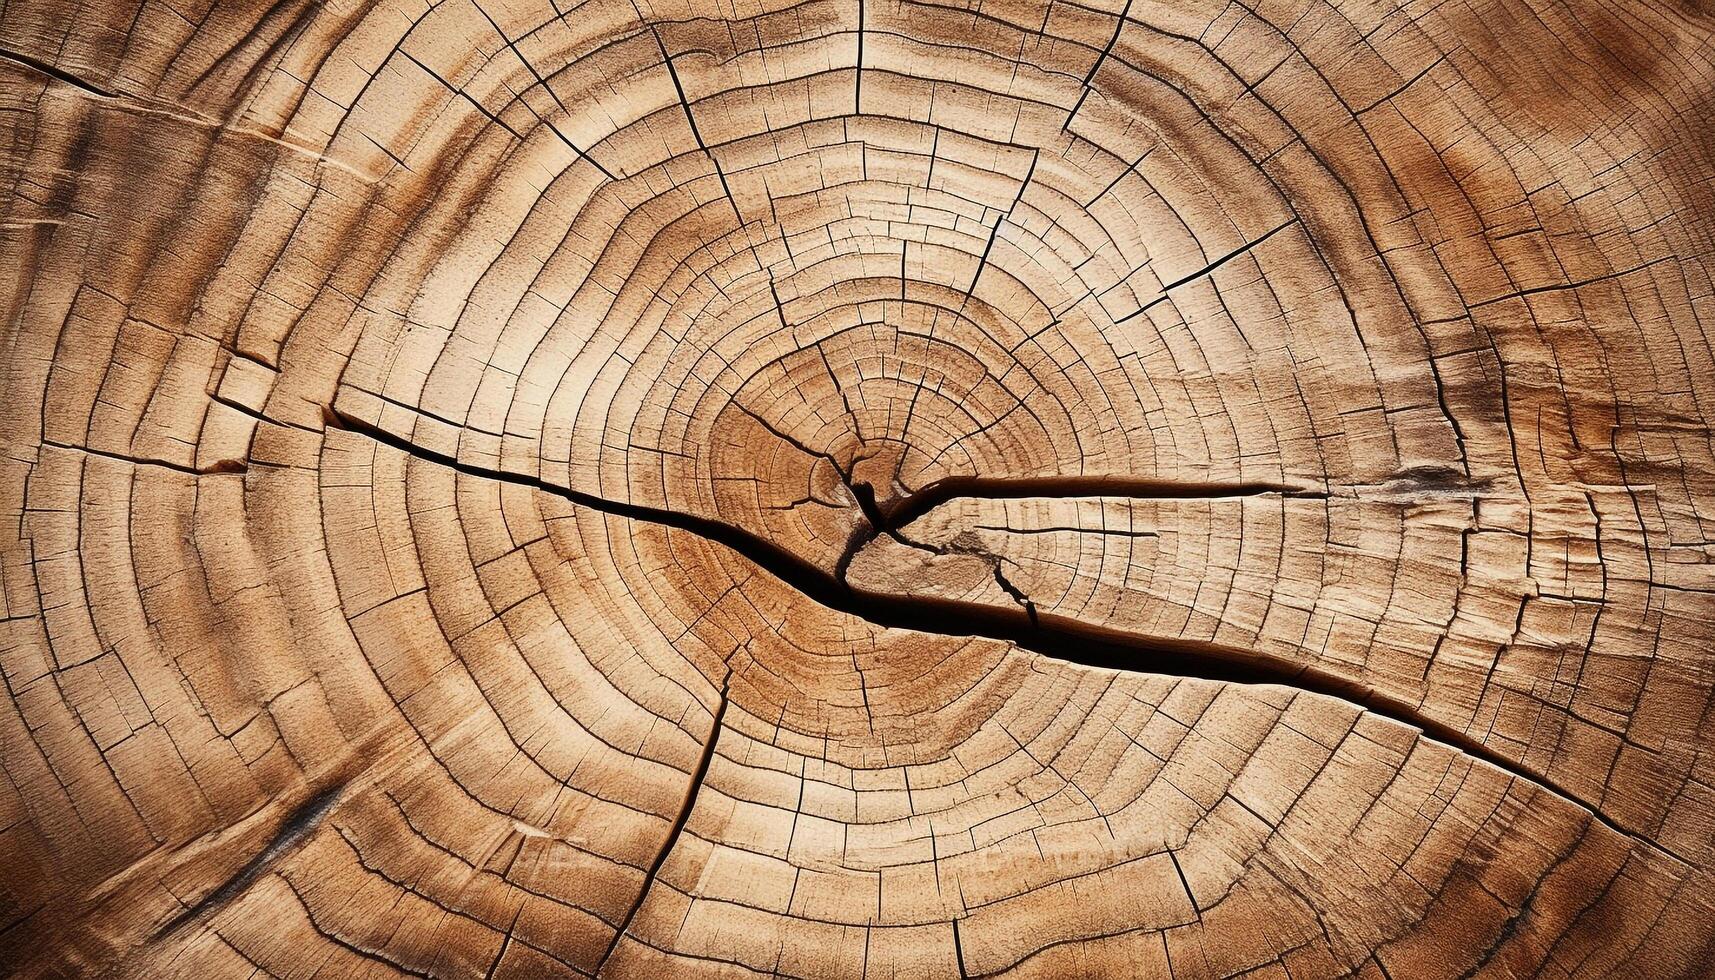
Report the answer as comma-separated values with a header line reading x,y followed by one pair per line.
x,y
698,777
1050,634
1017,593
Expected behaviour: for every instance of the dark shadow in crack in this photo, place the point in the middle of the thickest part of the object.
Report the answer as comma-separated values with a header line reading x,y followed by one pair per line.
x,y
1050,634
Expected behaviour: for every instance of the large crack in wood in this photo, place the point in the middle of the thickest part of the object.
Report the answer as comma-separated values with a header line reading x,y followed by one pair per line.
x,y
1435,367
1028,627
892,516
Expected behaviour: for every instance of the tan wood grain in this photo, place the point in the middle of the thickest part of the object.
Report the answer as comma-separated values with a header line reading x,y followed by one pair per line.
x,y
857,489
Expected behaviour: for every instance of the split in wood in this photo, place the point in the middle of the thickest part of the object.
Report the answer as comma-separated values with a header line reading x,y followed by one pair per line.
x,y
1050,634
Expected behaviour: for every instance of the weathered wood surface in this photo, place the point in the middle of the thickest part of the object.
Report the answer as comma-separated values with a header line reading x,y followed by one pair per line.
x,y
857,488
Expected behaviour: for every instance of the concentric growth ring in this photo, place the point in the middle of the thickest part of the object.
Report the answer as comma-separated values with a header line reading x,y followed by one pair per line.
x,y
857,488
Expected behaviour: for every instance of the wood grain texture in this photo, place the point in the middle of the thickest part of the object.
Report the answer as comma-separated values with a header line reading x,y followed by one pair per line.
x,y
873,488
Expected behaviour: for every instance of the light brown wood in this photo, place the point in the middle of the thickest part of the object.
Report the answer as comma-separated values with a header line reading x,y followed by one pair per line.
x,y
857,488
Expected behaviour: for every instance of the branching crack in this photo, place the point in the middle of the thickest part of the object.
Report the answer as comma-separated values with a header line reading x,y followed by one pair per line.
x,y
1050,634
892,517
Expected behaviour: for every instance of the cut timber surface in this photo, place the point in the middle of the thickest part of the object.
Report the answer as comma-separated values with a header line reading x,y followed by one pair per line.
x,y
857,488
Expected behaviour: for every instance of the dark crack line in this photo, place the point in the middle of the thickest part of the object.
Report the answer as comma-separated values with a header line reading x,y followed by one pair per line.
x,y
903,511
891,519
1017,593
1211,267
697,779
696,133
58,74
1049,634
293,830
543,82
857,89
213,469
1069,529
875,523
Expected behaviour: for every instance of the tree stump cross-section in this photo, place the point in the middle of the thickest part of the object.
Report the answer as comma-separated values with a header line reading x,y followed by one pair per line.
x,y
850,488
